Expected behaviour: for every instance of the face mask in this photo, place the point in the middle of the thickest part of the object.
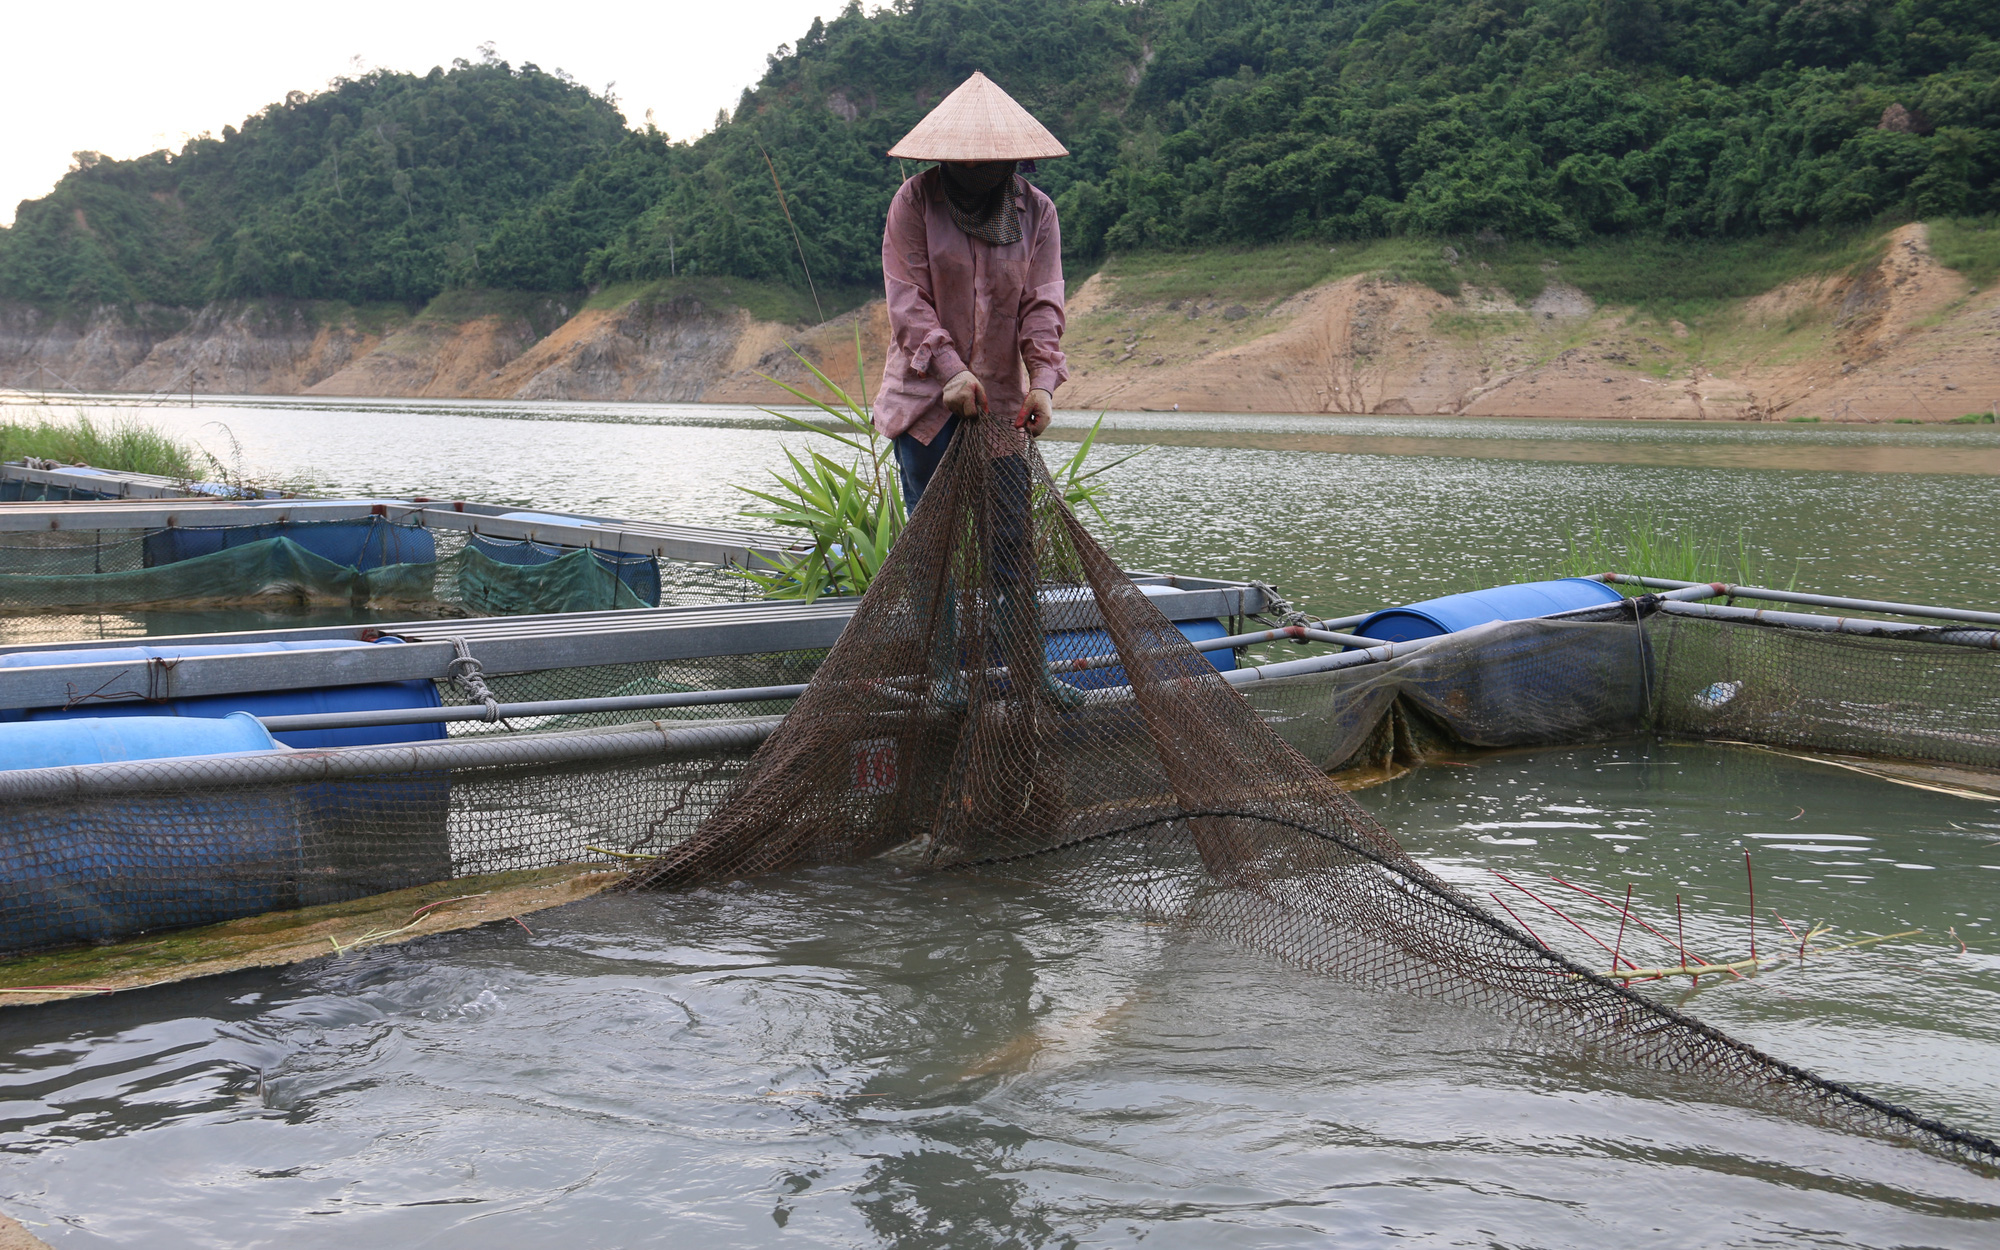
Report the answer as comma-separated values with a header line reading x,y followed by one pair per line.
x,y
977,179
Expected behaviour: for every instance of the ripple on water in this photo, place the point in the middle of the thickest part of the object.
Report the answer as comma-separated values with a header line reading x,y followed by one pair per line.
x,y
859,1057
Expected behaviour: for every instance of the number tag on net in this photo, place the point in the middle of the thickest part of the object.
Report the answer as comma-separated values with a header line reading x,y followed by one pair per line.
x,y
873,766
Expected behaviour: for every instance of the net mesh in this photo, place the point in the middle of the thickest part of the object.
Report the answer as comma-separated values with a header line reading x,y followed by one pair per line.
x,y
175,847
1825,692
954,726
1505,684
943,726
369,563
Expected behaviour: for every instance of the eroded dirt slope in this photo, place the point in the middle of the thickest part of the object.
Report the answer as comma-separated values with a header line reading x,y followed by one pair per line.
x,y
1900,338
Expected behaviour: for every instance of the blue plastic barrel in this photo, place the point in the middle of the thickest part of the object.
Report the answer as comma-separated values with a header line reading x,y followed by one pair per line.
x,y
370,697
1452,613
362,544
84,869
1074,644
195,858
103,740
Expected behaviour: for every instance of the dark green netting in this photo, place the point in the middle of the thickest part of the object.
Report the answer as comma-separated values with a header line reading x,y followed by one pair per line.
x,y
259,572
573,582
280,570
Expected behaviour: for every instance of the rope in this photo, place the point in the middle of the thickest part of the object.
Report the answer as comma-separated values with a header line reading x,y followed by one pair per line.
x,y
466,670
1644,606
1276,604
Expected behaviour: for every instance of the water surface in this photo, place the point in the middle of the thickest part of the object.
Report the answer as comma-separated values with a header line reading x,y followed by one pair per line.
x,y
1395,509
861,1057
864,1057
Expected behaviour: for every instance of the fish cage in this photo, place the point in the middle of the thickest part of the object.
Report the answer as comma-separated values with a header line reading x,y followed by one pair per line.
x,y
68,561
432,749
440,750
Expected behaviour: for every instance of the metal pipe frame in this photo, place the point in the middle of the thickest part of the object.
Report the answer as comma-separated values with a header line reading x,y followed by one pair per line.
x,y
1618,609
701,698
503,645
125,485
1719,590
1978,639
1328,663
152,507
510,711
1296,633
655,739
692,544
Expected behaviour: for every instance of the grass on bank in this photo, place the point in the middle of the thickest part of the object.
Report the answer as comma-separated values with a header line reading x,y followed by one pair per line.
x,y
766,301
853,512
542,311
125,446
1970,245
1667,278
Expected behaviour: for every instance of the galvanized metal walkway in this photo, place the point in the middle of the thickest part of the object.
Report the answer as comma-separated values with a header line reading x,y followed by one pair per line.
x,y
503,644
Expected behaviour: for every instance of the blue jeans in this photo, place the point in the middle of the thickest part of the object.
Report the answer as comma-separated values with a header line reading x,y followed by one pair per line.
x,y
916,462
1011,556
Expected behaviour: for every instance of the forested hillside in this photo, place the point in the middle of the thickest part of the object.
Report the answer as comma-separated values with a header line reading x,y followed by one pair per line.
x,y
379,188
1191,122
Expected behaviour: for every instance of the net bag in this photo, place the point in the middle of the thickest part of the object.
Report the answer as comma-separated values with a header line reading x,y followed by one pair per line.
x,y
1005,699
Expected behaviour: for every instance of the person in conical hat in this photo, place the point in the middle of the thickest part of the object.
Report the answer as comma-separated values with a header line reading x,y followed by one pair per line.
x,y
972,267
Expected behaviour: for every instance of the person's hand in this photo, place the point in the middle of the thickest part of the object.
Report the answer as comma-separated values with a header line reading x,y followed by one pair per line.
x,y
964,395
1036,412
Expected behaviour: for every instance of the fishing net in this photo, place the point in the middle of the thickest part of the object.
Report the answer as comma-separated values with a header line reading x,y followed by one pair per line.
x,y
962,722
102,852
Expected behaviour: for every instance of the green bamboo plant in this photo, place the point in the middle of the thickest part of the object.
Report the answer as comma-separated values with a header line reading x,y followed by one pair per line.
x,y
853,512
1645,545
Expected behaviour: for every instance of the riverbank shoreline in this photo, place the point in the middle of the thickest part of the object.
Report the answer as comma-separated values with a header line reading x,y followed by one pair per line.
x,y
1897,337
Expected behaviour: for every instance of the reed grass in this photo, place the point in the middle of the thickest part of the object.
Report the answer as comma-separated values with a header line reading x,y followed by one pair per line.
x,y
1646,546
126,445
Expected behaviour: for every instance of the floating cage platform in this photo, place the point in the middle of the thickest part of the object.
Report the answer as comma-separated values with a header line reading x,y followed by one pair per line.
x,y
518,744
77,543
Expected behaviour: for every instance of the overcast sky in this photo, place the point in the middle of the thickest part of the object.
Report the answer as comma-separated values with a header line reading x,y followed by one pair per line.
x,y
126,78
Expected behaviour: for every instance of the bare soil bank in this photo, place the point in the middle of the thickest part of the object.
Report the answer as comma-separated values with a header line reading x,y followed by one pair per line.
x,y
1900,338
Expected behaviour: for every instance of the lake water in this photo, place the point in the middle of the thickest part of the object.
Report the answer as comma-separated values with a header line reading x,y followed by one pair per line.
x,y
1342,513
863,1057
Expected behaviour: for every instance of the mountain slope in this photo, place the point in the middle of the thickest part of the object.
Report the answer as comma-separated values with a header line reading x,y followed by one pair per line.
x,y
1192,123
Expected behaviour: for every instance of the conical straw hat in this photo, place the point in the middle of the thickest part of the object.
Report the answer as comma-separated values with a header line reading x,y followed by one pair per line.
x,y
979,122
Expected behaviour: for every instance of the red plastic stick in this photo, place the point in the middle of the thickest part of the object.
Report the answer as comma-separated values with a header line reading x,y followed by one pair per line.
x,y
1565,919
1686,954
1518,920
1752,879
1794,933
1680,927
1623,916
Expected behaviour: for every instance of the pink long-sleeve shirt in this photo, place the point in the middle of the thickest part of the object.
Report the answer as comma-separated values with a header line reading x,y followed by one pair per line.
x,y
957,303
